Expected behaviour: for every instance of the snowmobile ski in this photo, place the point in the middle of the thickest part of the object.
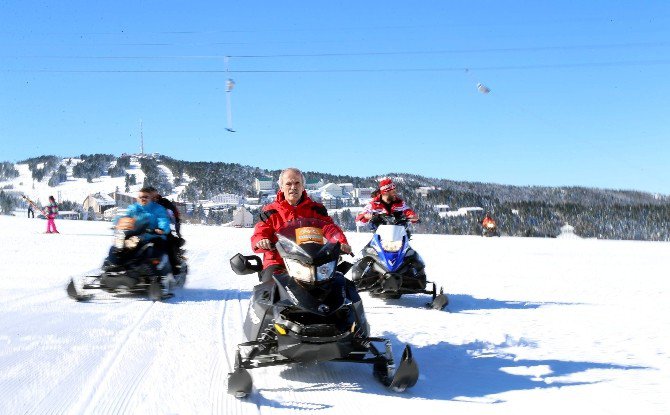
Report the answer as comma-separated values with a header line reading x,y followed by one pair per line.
x,y
239,382
439,301
407,373
72,293
155,291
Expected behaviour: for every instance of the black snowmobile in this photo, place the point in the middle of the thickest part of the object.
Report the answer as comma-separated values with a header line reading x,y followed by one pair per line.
x,y
133,267
389,267
310,313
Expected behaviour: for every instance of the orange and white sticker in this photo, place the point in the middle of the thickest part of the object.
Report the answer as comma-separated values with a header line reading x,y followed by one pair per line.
x,y
309,234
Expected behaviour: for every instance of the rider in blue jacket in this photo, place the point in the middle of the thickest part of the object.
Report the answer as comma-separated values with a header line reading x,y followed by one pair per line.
x,y
148,215
145,210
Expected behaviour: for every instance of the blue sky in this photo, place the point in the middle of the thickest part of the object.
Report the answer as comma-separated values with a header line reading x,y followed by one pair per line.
x,y
579,90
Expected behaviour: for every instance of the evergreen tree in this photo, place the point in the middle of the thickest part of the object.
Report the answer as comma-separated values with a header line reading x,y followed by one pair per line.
x,y
7,203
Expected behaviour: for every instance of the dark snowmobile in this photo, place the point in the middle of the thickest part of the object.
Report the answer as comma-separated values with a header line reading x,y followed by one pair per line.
x,y
389,267
310,313
133,267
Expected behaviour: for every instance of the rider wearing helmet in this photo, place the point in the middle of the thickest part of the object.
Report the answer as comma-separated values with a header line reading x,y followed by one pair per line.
x,y
386,201
488,220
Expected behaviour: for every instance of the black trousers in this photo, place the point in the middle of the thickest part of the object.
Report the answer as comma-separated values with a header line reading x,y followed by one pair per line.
x,y
267,273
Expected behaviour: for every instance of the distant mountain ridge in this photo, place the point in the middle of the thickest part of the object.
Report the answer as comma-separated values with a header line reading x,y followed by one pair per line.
x,y
520,210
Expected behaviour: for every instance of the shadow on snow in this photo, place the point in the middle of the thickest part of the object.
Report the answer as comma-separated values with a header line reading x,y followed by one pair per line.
x,y
459,303
472,371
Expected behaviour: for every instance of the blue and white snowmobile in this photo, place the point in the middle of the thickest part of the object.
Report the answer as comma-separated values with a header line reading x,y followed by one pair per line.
x,y
389,267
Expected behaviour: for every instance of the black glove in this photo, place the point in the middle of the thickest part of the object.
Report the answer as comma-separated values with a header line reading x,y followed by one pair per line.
x,y
377,220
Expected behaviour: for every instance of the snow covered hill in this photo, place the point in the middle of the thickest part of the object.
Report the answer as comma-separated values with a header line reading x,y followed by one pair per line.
x,y
76,189
561,326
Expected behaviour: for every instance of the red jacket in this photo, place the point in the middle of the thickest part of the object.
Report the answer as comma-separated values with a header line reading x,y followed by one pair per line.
x,y
277,213
377,206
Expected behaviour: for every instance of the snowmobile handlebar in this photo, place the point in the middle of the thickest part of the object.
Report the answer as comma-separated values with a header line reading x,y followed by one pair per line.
x,y
386,219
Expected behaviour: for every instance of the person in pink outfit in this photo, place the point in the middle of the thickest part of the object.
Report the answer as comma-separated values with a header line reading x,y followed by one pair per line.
x,y
52,212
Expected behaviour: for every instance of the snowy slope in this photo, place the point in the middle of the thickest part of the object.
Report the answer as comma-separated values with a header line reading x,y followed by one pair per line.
x,y
541,326
75,189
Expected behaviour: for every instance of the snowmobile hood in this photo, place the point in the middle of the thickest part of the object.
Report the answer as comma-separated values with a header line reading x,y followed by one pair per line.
x,y
391,244
322,300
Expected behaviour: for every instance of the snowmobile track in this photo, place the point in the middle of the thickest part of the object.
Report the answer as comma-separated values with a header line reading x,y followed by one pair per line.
x,y
232,314
92,393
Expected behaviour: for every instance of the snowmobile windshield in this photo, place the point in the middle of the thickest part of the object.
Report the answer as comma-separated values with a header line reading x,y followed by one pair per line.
x,y
391,237
310,249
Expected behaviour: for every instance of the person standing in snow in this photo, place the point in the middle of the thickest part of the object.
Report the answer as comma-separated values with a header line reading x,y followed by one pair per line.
x,y
31,212
52,212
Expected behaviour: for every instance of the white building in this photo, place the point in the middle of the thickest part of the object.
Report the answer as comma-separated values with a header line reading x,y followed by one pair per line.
x,y
441,208
315,195
331,189
347,187
264,185
311,184
96,204
329,201
363,193
460,211
228,199
242,218
425,190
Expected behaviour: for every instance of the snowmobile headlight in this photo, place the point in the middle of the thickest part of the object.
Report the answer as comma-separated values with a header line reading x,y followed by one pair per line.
x,y
392,246
325,271
299,270
490,225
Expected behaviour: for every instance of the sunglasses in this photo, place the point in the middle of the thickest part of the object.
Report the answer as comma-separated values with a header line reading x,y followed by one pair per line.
x,y
143,197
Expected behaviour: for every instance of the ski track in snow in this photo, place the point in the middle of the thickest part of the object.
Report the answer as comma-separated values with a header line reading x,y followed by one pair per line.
x,y
570,326
91,399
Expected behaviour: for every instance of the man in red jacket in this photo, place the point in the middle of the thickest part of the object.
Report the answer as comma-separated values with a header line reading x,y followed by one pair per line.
x,y
386,202
292,203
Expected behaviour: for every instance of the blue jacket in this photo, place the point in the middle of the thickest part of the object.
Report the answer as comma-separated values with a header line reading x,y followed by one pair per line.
x,y
153,214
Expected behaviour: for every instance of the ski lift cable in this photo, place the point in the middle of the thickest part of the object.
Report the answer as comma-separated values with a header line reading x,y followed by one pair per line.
x,y
369,53
359,70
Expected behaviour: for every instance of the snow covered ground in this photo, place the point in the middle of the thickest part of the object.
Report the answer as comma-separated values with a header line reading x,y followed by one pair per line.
x,y
534,326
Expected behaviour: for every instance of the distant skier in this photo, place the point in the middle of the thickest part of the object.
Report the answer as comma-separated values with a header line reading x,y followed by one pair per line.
x,y
31,212
52,212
